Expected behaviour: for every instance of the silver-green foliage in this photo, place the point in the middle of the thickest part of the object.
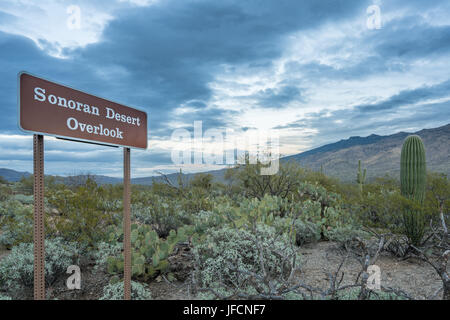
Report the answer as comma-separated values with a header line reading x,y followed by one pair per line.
x,y
24,198
352,294
2,297
114,291
105,250
344,235
16,269
226,250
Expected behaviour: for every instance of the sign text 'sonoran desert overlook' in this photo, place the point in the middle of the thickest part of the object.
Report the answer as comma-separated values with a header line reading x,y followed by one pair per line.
x,y
50,108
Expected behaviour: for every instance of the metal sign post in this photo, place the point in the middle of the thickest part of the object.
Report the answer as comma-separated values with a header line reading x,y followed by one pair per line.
x,y
39,232
126,225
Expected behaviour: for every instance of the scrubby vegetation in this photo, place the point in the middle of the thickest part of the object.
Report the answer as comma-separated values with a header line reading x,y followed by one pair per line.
x,y
239,239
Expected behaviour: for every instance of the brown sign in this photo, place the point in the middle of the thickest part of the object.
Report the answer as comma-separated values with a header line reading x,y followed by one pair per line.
x,y
49,108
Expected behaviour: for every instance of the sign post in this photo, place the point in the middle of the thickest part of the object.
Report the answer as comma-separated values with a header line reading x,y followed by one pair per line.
x,y
49,108
126,225
39,232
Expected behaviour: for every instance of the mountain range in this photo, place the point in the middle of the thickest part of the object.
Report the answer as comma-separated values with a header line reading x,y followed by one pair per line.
x,y
380,155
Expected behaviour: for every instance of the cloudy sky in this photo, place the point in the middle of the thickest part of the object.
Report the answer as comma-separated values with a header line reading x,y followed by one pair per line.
x,y
312,71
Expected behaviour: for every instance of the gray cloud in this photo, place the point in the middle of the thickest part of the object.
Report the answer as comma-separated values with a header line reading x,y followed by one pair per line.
x,y
165,56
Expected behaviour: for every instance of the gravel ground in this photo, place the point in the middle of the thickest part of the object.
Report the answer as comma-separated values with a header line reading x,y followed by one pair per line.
x,y
416,278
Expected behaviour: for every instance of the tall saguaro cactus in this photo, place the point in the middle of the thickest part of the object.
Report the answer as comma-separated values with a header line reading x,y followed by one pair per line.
x,y
360,177
412,183
413,171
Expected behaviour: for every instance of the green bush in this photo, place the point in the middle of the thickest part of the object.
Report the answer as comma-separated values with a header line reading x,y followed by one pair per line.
x,y
82,217
5,191
306,232
114,291
246,179
16,222
161,213
16,269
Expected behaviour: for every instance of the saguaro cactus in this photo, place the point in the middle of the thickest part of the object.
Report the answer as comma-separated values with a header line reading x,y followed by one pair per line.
x,y
412,184
413,171
360,177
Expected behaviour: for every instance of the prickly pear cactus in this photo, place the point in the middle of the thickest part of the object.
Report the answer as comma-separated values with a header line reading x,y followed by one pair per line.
x,y
149,252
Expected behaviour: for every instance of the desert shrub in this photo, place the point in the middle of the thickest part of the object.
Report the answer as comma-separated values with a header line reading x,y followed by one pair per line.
x,y
162,214
5,191
196,200
344,235
202,181
352,294
16,222
306,232
25,185
206,220
114,291
226,256
24,199
2,297
82,217
437,198
247,179
103,251
381,208
16,269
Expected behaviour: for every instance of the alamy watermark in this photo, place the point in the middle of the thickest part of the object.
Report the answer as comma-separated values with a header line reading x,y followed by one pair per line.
x,y
229,146
374,17
74,281
74,19
374,279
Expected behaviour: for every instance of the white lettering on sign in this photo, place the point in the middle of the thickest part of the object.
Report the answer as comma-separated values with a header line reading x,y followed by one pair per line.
x,y
73,124
111,114
39,95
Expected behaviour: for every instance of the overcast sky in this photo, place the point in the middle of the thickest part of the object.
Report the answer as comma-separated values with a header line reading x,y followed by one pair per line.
x,y
312,71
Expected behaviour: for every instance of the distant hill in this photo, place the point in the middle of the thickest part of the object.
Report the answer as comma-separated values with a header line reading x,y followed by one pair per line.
x,y
12,175
379,154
